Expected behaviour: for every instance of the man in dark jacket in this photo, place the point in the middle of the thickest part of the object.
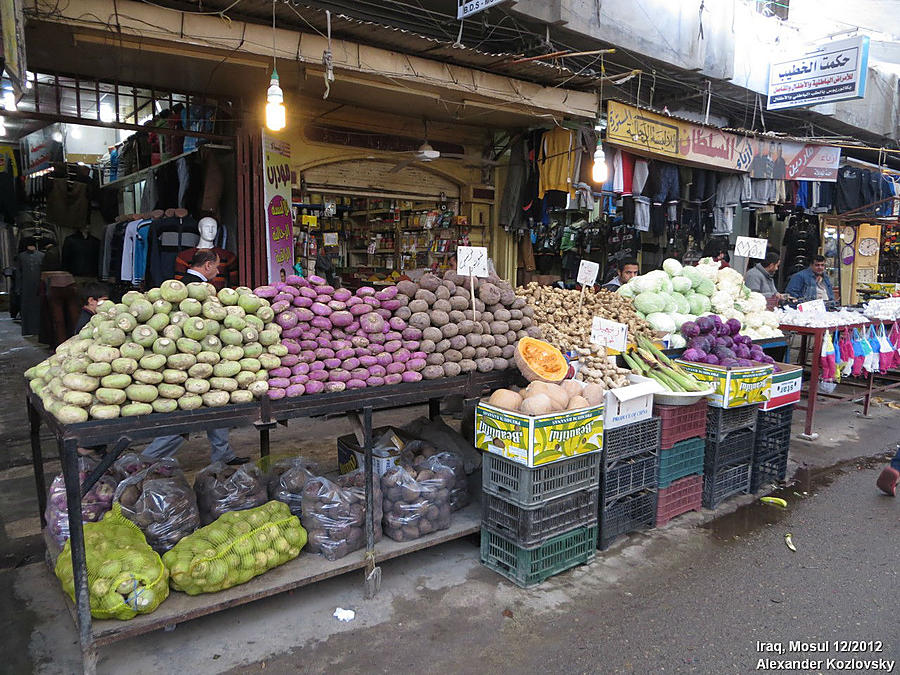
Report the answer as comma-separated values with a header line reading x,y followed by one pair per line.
x,y
92,294
204,266
811,283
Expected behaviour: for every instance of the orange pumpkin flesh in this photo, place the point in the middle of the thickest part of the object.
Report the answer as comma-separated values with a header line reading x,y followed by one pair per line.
x,y
540,361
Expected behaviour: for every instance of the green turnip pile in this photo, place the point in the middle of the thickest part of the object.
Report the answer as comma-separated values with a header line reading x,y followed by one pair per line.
x,y
175,347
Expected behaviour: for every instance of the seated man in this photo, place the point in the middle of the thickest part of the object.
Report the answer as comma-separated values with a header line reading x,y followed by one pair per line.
x,y
811,283
761,277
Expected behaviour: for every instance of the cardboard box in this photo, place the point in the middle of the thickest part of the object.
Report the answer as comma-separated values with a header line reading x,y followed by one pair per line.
x,y
785,389
351,456
734,387
630,404
539,440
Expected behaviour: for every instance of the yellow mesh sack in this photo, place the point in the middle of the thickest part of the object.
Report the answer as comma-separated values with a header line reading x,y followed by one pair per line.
x,y
125,576
238,546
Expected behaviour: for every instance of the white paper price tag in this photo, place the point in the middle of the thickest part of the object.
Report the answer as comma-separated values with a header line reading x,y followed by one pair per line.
x,y
472,261
331,238
610,334
812,306
751,247
587,272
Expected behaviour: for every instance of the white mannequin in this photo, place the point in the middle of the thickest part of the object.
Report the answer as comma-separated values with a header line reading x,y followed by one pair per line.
x,y
209,228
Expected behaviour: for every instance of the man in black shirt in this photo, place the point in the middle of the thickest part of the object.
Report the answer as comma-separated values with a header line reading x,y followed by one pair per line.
x,y
92,294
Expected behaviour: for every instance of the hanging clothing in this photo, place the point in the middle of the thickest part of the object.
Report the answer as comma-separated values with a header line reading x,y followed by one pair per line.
x,y
29,281
81,254
140,251
166,239
149,197
67,203
639,177
557,161
511,215
9,174
849,189
128,248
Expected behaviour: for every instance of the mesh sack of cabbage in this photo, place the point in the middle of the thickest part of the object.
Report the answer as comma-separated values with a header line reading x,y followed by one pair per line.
x,y
125,576
237,547
94,504
417,499
334,514
286,480
415,455
221,488
160,501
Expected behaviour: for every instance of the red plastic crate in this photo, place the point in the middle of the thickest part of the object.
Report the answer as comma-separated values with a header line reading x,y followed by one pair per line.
x,y
680,422
685,494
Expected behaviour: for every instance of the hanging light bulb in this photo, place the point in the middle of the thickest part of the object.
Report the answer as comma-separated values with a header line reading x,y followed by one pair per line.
x,y
2,127
74,130
599,171
9,100
57,136
107,114
276,116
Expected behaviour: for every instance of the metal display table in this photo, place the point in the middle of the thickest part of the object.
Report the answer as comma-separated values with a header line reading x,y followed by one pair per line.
x,y
811,390
119,434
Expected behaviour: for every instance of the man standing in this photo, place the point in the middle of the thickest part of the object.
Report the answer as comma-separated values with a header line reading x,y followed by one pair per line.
x,y
761,277
811,283
628,269
204,266
92,294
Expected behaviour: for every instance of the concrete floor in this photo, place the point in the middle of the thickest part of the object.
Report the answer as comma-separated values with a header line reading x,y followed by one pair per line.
x,y
689,597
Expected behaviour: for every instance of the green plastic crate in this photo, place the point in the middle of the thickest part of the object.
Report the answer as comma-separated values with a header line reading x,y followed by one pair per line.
x,y
684,458
529,567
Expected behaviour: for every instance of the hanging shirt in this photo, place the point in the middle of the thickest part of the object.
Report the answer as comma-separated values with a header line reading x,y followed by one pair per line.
x,y
128,245
140,251
557,161
639,177
9,172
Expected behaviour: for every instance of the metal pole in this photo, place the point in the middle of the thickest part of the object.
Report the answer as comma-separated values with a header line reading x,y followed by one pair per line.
x,y
37,459
370,487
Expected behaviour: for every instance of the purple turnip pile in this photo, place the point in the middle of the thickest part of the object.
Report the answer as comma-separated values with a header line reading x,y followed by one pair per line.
x,y
719,343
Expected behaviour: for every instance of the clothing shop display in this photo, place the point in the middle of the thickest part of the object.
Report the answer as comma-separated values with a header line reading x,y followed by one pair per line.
x,y
81,254
67,203
556,161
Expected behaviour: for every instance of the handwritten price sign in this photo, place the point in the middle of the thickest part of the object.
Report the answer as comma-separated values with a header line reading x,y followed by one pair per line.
x,y
472,261
587,272
609,334
751,247
811,306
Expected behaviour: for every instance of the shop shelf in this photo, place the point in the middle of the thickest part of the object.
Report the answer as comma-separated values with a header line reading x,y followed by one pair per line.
x,y
735,448
630,475
775,418
725,483
682,459
685,494
527,487
629,440
531,566
722,421
680,422
635,512
767,471
530,527
772,441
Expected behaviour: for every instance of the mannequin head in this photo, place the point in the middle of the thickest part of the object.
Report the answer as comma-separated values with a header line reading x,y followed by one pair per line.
x,y
209,228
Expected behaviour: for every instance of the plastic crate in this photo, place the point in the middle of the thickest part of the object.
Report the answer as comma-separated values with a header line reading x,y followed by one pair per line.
x,y
680,422
767,419
771,441
685,494
528,528
527,487
722,421
735,448
768,471
530,566
630,475
635,512
629,440
683,459
725,483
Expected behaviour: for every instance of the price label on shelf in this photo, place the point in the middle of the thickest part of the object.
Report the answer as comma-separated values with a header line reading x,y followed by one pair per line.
x,y
751,247
812,306
472,261
609,334
587,272
331,238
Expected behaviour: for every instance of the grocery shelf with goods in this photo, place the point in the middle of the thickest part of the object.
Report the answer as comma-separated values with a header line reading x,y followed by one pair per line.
x,y
120,433
682,496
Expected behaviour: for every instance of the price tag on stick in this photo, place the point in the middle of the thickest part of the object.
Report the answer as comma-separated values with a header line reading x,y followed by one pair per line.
x,y
610,334
472,261
587,276
751,247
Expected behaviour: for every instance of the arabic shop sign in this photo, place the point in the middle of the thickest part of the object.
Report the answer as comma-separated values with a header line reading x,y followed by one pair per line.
x,y
279,218
649,133
833,71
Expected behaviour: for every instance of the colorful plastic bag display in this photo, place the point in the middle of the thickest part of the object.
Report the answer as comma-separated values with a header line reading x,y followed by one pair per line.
x,y
886,352
846,350
873,357
827,360
894,338
859,353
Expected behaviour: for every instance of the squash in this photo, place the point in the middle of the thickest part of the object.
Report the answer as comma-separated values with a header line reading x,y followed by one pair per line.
x,y
540,361
506,399
539,404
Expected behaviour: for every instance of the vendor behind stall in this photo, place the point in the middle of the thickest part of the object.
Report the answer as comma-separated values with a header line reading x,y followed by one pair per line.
x,y
92,294
811,283
627,270
761,277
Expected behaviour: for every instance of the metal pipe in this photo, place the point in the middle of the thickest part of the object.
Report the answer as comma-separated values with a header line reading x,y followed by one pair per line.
x,y
37,459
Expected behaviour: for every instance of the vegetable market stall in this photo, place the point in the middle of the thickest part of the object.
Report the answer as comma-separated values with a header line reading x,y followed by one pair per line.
x,y
120,433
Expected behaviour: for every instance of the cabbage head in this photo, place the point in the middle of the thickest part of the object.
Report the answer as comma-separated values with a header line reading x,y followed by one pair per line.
x,y
682,304
626,290
645,283
700,304
671,267
706,287
665,285
671,305
649,302
681,284
677,341
661,322
693,275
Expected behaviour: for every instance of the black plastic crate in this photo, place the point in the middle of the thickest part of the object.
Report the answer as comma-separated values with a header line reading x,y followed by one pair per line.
x,y
775,418
768,471
527,487
722,421
725,483
771,441
630,475
735,448
637,511
631,439
530,527
532,566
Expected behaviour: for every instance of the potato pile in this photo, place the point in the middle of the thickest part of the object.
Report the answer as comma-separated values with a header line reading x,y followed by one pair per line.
x,y
563,325
439,315
175,347
415,454
160,501
334,514
596,368
221,488
543,398
287,477
417,499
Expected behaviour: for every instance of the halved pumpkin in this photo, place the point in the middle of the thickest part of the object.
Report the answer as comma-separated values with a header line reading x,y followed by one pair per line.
x,y
540,361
